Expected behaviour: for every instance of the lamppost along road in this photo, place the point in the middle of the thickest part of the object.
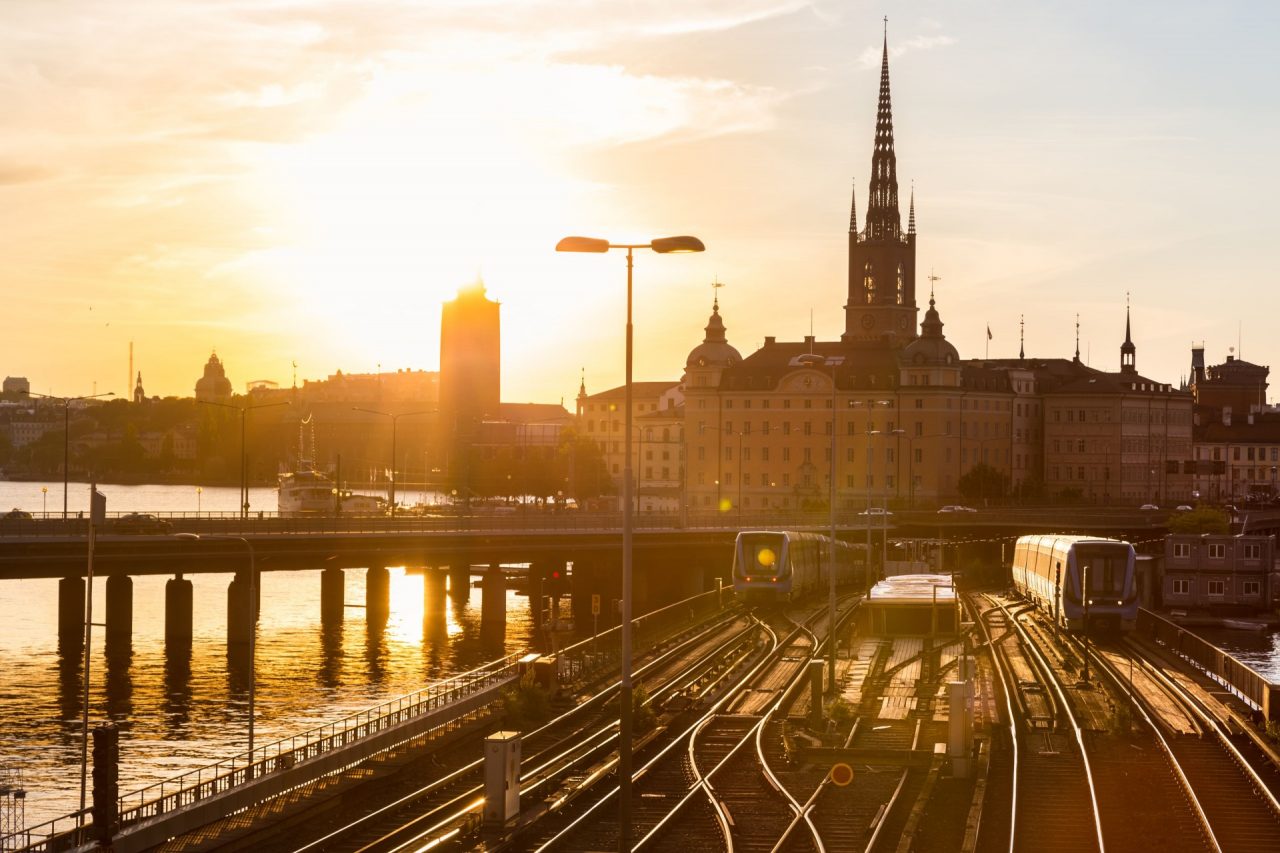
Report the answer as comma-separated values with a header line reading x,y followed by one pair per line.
x,y
664,245
394,419
814,360
870,431
244,467
66,432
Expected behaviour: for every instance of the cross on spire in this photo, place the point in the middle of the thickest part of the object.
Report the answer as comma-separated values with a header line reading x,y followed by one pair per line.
x,y
715,292
933,279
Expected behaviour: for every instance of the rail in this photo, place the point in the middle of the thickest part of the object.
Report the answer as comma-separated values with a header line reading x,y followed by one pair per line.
x,y
182,791
1238,677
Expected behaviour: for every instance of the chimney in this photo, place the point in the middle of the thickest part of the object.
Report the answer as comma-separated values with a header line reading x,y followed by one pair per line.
x,y
769,340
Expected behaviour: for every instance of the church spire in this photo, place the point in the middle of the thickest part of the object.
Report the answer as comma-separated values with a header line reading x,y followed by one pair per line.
x,y
1128,352
884,221
853,209
911,219
1022,337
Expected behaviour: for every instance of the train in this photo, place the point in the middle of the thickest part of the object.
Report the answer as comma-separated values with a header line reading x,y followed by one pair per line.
x,y
777,566
1049,571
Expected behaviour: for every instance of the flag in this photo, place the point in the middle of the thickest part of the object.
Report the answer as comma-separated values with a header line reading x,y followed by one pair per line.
x,y
988,331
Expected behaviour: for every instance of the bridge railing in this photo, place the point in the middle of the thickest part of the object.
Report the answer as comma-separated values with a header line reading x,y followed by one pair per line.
x,y
1238,677
164,797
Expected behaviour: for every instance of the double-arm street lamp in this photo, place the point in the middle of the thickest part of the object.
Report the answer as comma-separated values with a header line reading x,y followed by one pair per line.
x,y
244,466
394,419
664,245
66,432
870,431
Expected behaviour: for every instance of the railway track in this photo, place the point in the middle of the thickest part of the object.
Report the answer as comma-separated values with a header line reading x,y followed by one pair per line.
x,y
447,806
1160,770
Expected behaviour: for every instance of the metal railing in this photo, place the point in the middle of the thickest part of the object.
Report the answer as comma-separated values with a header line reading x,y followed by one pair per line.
x,y
1239,678
182,791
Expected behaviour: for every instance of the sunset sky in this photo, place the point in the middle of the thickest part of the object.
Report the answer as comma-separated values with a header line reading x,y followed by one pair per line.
x,y
309,179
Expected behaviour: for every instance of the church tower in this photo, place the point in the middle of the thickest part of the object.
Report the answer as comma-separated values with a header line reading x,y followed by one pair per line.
x,y
1128,352
882,259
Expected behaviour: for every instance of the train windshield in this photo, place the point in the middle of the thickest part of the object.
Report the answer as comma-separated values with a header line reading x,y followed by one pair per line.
x,y
1107,566
761,553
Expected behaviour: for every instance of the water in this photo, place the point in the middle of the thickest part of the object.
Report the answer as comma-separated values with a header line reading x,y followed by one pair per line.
x,y
1261,651
176,715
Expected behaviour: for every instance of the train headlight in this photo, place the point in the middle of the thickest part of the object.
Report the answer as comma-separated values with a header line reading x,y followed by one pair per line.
x,y
1119,603
765,557
773,580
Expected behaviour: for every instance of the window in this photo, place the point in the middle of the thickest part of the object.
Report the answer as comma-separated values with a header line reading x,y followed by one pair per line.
x,y
1252,552
764,454
869,282
808,428
786,454
1217,551
1217,588
786,427
1182,549
902,286
1182,587
1252,587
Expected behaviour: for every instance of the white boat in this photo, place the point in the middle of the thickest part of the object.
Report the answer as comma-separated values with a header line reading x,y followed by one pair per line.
x,y
305,492
1244,625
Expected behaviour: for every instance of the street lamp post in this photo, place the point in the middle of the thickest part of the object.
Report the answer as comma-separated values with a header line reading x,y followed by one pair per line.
x,y
857,404
813,360
663,245
66,432
199,493
44,499
394,419
244,467
253,617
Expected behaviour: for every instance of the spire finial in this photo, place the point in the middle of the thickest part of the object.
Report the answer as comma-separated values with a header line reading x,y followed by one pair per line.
x,y
1022,336
932,279
1077,337
911,218
715,290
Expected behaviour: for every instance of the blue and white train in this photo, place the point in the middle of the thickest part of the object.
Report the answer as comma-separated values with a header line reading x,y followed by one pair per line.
x,y
1052,570
772,566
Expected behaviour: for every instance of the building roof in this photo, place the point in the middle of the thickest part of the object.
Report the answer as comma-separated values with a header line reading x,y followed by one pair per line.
x,y
638,390
528,413
870,365
1116,383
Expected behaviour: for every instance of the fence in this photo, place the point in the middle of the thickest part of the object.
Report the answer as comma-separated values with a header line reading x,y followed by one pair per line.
x,y
1241,679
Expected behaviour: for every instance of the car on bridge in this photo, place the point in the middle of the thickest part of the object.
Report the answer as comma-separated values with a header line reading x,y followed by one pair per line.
x,y
140,523
1147,508
956,508
876,511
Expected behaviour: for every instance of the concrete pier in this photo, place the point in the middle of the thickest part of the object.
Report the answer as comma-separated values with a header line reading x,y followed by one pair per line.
x,y
493,606
433,592
460,581
535,596
377,593
239,621
119,609
333,584
71,610
178,597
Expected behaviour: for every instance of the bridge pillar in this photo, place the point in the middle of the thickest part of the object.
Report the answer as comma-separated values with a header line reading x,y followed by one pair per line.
x,y
377,593
460,581
239,621
71,610
534,587
177,611
333,584
433,593
493,604
119,609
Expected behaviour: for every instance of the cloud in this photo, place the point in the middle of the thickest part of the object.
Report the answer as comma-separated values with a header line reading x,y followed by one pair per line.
x,y
870,57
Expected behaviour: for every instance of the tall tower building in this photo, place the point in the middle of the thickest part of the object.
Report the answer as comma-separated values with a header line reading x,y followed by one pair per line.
x,y
470,375
882,259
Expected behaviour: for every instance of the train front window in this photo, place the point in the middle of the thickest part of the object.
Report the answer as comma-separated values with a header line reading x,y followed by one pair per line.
x,y
762,555
1107,565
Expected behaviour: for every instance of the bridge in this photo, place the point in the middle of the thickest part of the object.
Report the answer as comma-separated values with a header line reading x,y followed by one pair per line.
x,y
675,555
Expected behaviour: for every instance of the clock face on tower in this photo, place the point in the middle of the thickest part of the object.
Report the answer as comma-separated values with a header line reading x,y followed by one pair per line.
x,y
868,321
902,323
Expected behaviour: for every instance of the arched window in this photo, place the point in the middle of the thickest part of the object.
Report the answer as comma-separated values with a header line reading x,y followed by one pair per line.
x,y
902,286
869,282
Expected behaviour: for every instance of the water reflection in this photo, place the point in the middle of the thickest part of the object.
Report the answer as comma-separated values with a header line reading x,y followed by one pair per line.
x,y
177,690
70,684
119,683
330,672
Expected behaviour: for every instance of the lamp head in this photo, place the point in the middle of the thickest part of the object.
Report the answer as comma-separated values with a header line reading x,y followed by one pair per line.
x,y
675,245
582,244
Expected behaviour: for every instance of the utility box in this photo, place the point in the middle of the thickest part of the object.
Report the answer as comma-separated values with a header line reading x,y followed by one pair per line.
x,y
960,729
545,670
501,778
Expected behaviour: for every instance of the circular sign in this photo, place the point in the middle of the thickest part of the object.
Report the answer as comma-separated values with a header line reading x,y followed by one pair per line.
x,y
841,774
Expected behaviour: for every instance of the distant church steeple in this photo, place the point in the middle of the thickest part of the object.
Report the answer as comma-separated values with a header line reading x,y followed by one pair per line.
x,y
1128,352
882,259
139,396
